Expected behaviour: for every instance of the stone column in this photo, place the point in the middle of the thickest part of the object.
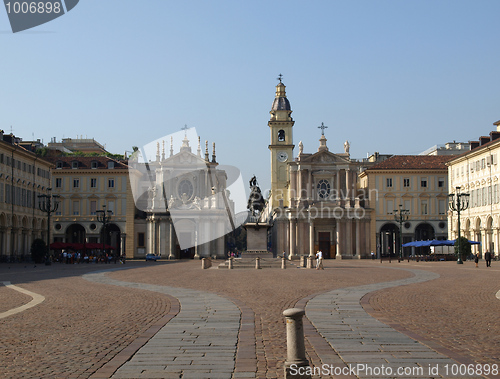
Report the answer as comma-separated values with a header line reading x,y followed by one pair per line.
x,y
348,236
286,226
8,246
162,238
295,347
348,184
337,236
171,253
310,186
484,242
337,184
292,238
495,239
293,184
123,243
358,239
311,238
196,255
149,229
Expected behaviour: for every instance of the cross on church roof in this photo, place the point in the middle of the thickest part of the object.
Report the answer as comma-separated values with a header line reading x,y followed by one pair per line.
x,y
322,127
185,128
280,77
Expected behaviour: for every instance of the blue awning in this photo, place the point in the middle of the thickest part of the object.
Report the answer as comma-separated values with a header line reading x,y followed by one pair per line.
x,y
435,243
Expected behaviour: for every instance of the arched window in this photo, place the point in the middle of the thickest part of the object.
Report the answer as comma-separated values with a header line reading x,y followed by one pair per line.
x,y
281,135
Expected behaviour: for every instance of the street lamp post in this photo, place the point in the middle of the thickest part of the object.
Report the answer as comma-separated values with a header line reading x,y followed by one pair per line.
x,y
401,215
103,217
48,204
458,202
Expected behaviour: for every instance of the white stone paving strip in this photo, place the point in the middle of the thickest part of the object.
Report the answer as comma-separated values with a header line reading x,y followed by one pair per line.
x,y
359,339
36,299
200,342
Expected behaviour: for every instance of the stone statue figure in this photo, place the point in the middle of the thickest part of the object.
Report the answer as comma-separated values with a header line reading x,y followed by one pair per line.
x,y
256,201
346,147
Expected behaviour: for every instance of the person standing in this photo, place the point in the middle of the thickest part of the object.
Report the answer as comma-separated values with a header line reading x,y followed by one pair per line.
x,y
476,259
487,258
319,260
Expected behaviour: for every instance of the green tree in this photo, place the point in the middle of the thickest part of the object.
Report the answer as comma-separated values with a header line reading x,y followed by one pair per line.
x,y
465,248
38,250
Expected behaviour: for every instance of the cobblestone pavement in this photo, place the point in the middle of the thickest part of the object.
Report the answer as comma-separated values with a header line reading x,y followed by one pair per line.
x,y
82,326
458,311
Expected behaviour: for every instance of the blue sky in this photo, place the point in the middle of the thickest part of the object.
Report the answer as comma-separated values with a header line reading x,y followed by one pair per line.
x,y
389,76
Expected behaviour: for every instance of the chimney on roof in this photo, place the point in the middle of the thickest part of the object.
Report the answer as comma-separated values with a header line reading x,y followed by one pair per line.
x,y
483,140
474,144
494,135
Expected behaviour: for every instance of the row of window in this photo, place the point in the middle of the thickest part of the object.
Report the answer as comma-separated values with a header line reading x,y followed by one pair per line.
x,y
76,182
26,167
76,164
484,196
18,196
424,207
76,207
407,182
477,165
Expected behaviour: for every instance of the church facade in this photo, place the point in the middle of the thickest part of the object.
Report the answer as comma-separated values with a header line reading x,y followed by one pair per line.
x,y
186,207
314,202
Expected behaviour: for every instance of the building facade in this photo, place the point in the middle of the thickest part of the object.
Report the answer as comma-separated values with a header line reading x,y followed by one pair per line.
x,y
417,183
477,173
314,203
23,177
85,186
183,196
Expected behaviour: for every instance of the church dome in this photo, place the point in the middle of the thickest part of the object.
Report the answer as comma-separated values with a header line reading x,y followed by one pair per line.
x,y
280,102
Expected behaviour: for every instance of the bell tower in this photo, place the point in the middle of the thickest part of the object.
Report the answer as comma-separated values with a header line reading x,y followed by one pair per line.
x,y
281,146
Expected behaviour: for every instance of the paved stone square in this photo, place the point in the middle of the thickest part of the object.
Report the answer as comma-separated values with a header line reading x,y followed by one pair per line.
x,y
173,320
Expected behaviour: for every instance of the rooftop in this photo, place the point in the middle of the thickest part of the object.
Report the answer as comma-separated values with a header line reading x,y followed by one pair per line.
x,y
413,162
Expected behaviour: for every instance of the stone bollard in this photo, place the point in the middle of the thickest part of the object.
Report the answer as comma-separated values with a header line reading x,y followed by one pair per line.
x,y
310,262
206,263
230,266
283,263
257,262
302,261
295,348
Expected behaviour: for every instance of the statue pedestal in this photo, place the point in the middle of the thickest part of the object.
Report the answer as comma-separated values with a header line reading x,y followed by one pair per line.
x,y
257,240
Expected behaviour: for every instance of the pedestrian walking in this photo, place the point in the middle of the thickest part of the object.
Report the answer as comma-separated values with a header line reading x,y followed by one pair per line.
x,y
476,259
373,255
319,260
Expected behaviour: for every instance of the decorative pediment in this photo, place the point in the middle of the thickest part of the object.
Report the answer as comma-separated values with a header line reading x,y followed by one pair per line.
x,y
325,157
184,158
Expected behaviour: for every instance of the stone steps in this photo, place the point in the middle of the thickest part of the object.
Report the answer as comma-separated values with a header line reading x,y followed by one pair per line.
x,y
250,263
